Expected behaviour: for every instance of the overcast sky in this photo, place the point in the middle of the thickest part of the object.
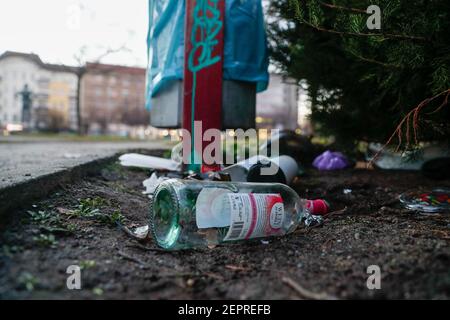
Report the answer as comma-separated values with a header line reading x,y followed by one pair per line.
x,y
58,29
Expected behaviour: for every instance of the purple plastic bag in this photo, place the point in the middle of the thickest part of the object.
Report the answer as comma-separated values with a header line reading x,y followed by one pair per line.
x,y
330,161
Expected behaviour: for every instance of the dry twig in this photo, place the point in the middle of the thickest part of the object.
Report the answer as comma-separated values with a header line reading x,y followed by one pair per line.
x,y
413,116
131,258
305,293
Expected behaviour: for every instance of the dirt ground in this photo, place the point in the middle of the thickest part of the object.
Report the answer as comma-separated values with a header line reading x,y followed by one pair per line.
x,y
368,228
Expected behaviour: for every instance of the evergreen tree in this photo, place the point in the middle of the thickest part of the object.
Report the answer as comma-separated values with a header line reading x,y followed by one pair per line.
x,y
363,82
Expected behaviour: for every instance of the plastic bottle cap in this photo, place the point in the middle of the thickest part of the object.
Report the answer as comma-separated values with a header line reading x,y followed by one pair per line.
x,y
210,168
318,207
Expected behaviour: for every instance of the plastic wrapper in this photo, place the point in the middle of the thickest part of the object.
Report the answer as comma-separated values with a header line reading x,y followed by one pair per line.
x,y
245,44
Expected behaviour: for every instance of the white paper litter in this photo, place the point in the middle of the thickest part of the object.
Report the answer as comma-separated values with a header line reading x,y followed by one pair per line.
x,y
151,183
148,162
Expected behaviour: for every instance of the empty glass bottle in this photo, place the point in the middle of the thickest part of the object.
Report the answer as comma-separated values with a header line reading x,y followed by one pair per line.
x,y
190,214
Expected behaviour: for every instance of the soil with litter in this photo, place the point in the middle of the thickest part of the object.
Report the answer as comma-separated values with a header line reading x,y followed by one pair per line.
x,y
368,227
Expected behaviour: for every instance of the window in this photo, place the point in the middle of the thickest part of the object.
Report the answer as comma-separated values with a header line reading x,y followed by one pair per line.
x,y
112,80
98,78
43,83
111,93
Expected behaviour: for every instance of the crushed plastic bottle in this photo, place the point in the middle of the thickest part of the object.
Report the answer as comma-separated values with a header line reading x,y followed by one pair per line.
x,y
188,214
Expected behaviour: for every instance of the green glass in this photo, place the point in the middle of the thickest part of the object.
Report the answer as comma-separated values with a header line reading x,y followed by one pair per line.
x,y
173,212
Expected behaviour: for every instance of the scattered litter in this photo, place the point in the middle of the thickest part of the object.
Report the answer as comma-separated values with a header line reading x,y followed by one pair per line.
x,y
407,160
140,233
151,183
285,169
239,171
318,207
148,162
265,242
435,201
347,191
331,161
220,213
313,221
177,153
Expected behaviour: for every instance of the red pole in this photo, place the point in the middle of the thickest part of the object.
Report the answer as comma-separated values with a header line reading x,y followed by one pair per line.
x,y
203,72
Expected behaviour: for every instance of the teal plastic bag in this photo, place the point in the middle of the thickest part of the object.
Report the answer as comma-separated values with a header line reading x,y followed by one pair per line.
x,y
245,44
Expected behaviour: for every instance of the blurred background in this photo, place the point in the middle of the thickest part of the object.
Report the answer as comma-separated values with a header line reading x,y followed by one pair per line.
x,y
78,67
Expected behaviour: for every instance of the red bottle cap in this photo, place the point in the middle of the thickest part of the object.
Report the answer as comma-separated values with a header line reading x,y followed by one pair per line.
x,y
210,168
318,207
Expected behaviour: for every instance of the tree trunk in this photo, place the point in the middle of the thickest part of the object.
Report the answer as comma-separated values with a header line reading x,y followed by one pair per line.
x,y
80,75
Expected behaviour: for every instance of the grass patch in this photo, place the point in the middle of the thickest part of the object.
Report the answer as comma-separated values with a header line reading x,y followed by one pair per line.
x,y
87,264
90,208
50,222
28,281
97,291
46,241
9,251
43,217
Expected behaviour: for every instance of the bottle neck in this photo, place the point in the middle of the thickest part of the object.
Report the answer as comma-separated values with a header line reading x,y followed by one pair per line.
x,y
311,212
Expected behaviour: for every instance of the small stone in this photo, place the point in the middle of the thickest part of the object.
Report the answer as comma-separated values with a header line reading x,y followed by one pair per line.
x,y
190,282
357,236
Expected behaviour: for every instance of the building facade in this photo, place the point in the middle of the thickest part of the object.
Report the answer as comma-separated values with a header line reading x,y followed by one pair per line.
x,y
277,107
51,90
113,98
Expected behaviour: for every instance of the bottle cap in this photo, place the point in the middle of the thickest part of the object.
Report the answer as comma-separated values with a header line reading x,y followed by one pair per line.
x,y
318,207
210,168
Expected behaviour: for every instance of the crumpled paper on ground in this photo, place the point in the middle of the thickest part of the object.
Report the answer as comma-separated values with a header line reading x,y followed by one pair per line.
x,y
152,183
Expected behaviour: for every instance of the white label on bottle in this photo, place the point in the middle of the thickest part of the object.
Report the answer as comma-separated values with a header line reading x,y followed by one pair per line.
x,y
255,215
209,209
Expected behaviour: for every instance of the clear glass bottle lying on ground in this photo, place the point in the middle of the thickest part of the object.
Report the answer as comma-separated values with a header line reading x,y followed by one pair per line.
x,y
188,214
